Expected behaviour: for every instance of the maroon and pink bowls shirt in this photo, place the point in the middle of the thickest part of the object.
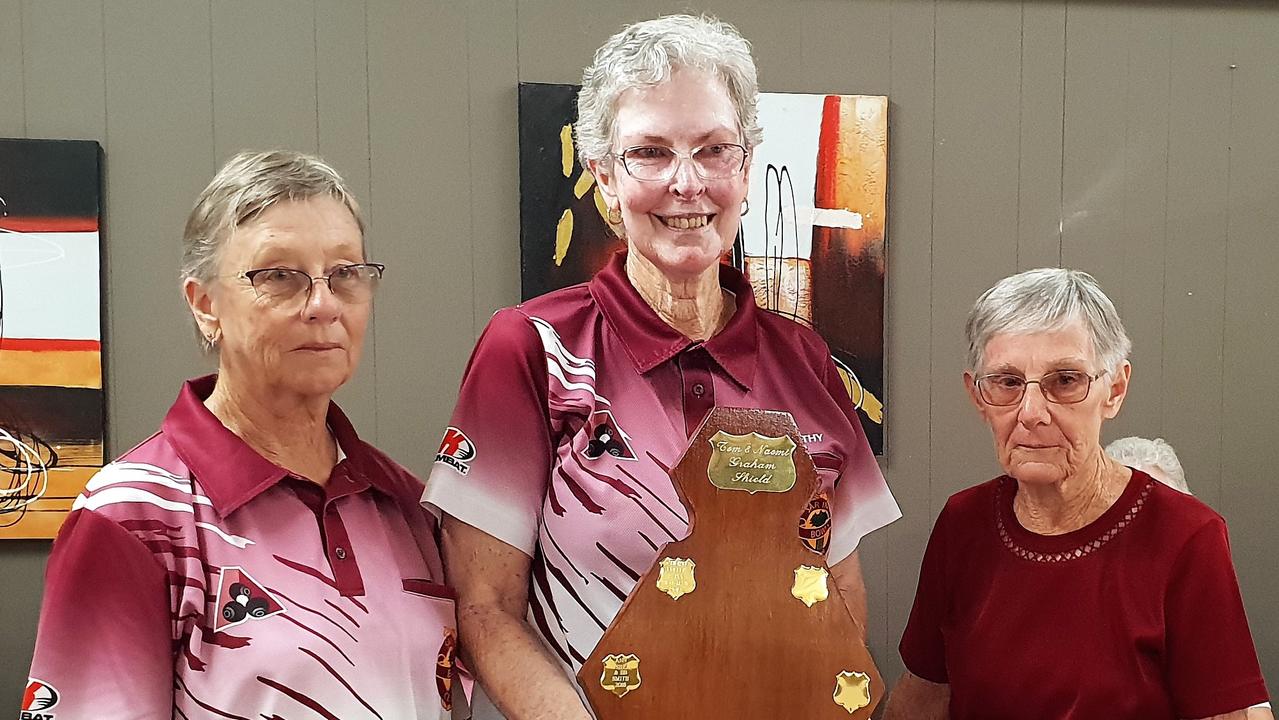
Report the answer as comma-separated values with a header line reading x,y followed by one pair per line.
x,y
196,579
574,406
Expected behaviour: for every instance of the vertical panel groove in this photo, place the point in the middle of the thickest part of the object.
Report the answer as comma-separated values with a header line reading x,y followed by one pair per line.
x,y
1061,206
213,92
1225,277
315,66
26,83
368,134
933,509
1021,113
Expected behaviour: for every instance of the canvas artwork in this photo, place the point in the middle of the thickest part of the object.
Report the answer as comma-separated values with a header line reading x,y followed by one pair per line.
x,y
51,398
812,243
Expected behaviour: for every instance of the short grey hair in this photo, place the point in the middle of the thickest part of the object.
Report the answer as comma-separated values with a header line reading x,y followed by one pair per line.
x,y
645,54
248,184
1044,300
1143,454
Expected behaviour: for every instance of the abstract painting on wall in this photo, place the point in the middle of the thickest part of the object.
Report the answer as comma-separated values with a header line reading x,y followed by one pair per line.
x,y
812,243
51,399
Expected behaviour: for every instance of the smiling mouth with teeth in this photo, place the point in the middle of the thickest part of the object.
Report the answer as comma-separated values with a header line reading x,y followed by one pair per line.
x,y
687,223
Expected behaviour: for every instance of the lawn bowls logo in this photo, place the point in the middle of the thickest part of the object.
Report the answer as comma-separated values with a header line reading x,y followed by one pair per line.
x,y
241,599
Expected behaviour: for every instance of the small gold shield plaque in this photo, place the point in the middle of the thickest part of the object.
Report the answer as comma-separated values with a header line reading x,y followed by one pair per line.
x,y
810,585
621,674
676,577
754,462
852,691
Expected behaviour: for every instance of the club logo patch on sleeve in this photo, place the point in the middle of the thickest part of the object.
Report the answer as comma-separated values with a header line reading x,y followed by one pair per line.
x,y
815,524
38,697
241,598
607,438
445,669
456,450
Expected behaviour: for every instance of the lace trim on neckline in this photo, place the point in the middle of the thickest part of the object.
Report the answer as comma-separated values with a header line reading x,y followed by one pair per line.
x,y
1065,555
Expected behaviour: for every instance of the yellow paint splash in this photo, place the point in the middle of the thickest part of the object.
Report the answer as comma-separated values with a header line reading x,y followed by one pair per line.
x,y
563,236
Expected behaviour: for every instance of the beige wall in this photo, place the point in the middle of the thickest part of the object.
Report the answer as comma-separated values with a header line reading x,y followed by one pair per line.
x,y
1135,140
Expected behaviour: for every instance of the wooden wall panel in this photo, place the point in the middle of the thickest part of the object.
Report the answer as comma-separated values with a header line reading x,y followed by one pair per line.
x,y
1137,252
342,138
976,137
13,111
62,69
158,78
909,330
1194,294
1250,387
1093,156
264,76
421,191
493,75
1039,168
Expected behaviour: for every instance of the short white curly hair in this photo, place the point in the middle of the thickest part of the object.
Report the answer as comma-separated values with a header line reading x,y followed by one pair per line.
x,y
1144,454
645,54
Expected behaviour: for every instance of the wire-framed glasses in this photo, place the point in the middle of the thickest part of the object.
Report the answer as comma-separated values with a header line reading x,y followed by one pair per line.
x,y
1064,387
658,163
353,284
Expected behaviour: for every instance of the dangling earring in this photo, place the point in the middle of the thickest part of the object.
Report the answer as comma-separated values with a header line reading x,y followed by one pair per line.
x,y
615,215
214,337
746,205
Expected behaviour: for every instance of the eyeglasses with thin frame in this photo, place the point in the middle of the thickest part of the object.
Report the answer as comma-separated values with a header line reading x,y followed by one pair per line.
x,y
659,163
1063,387
352,284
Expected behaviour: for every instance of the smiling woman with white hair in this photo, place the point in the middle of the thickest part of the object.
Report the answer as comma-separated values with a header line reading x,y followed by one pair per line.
x,y
1071,586
552,476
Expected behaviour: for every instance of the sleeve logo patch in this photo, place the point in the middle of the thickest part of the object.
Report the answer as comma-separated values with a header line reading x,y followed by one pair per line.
x,y
445,668
456,450
241,598
38,696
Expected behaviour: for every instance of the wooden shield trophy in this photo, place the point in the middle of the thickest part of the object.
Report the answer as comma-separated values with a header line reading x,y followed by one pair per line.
x,y
741,619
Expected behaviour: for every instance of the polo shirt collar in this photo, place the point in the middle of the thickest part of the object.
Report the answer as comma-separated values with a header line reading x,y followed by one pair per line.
x,y
649,341
230,472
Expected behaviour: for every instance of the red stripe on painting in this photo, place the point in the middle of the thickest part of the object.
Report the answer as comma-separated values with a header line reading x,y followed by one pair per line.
x,y
827,154
46,345
49,224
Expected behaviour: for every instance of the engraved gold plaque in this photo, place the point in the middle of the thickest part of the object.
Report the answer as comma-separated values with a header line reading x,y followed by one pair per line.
x,y
852,691
754,462
621,674
810,585
677,577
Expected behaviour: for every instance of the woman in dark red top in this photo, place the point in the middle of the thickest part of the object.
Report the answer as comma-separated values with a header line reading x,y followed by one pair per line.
x,y
1072,586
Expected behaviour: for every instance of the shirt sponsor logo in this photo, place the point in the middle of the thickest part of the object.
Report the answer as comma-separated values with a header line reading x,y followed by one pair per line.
x,y
607,438
456,450
241,598
38,696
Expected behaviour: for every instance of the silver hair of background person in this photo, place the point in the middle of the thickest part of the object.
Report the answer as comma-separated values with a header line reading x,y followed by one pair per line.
x,y
1144,454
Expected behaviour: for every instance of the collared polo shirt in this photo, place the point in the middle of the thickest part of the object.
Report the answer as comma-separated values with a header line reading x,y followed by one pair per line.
x,y
196,579
575,404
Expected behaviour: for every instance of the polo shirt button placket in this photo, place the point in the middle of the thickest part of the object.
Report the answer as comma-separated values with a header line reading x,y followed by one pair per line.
x,y
340,552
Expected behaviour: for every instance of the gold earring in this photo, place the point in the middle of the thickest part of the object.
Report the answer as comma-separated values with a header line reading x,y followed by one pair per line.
x,y
615,215
746,205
